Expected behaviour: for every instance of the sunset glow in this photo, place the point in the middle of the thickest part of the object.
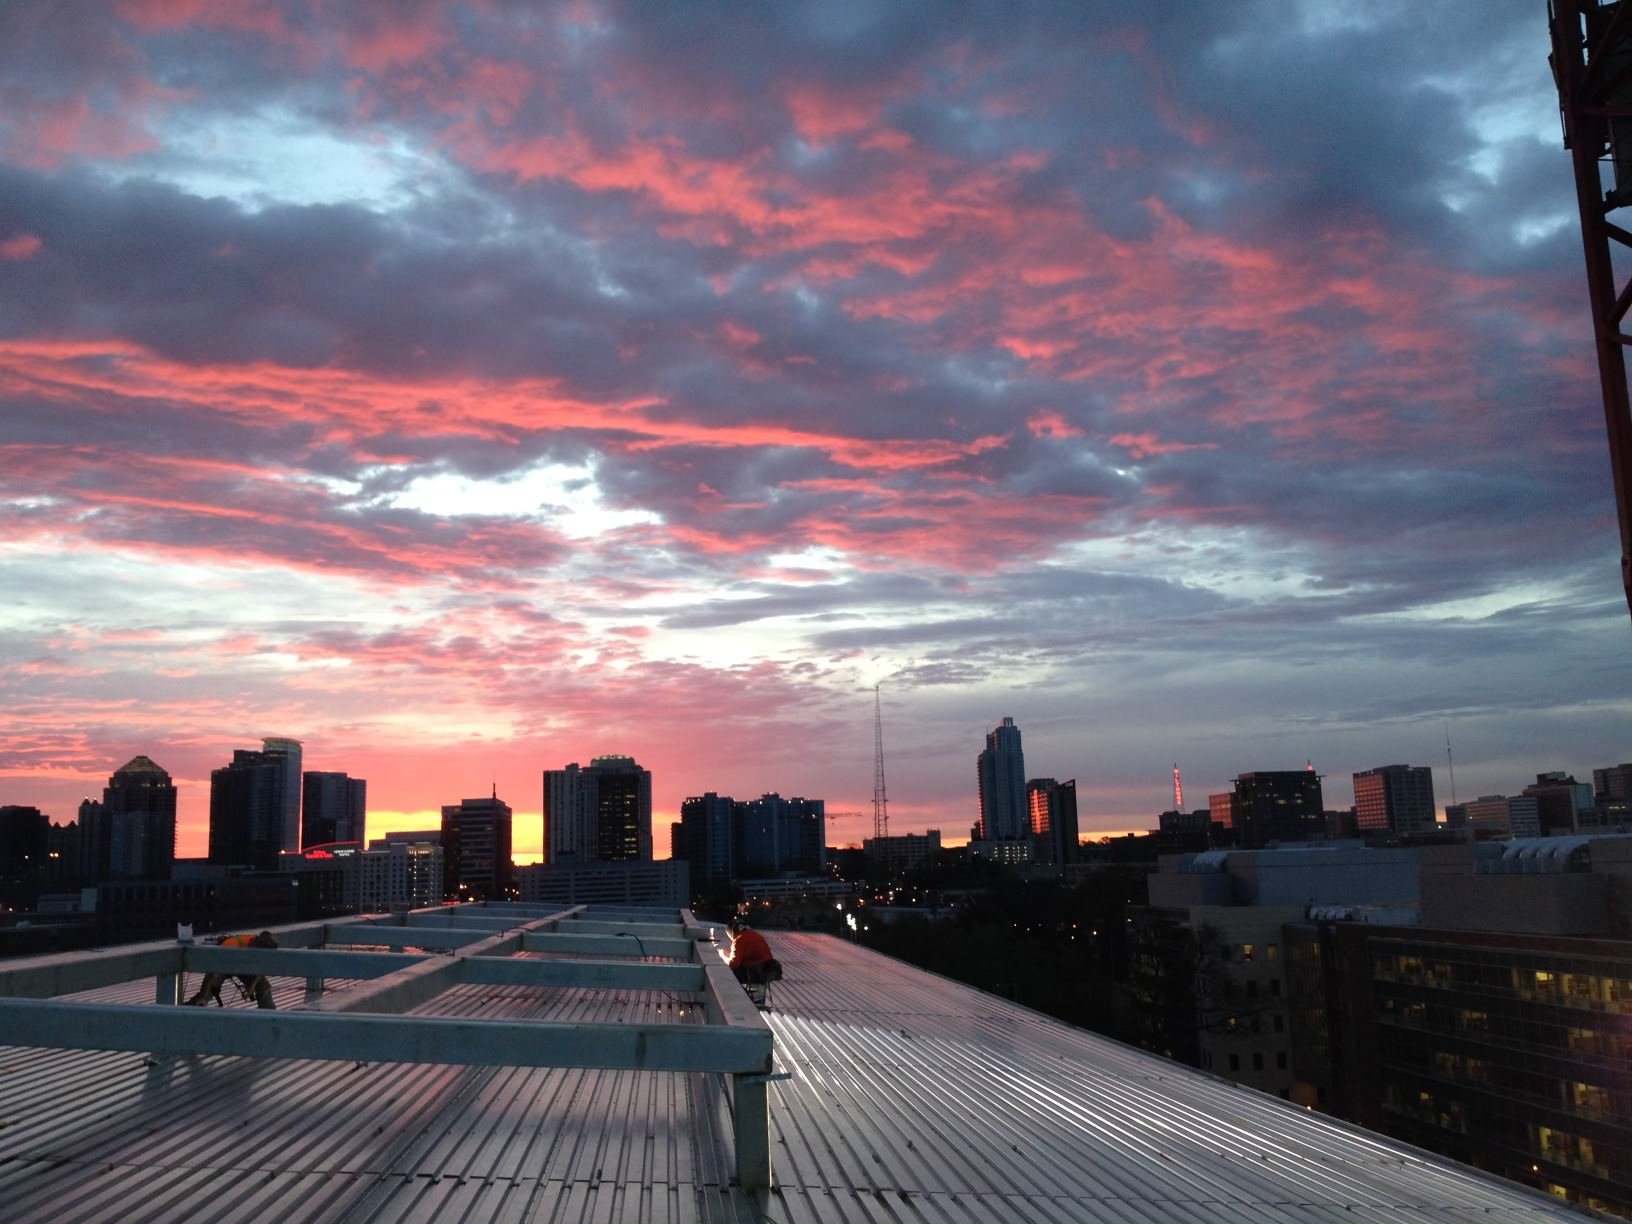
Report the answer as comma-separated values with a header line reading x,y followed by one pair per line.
x,y
465,390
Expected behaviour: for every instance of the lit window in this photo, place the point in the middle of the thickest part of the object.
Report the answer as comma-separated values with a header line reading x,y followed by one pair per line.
x,y
1246,952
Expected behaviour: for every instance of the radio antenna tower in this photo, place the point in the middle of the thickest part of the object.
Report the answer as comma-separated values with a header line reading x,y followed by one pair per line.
x,y
881,799
1449,763
1178,789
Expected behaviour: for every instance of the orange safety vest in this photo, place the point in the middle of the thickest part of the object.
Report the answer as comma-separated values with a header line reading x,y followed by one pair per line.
x,y
238,941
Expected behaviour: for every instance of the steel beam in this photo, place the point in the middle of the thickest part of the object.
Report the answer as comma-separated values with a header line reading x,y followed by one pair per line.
x,y
608,945
369,1038
410,937
44,977
591,974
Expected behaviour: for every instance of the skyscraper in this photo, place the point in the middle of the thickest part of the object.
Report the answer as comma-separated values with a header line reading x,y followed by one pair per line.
x,y
1001,768
705,839
139,811
476,850
773,835
289,817
1277,806
602,813
253,817
334,808
1394,799
1053,815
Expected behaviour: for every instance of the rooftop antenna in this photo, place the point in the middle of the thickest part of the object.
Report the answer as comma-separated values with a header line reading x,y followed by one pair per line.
x,y
1178,789
881,801
1449,763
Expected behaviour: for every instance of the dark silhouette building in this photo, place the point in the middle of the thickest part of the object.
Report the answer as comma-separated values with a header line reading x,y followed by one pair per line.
x,y
139,816
333,808
1277,806
705,839
25,836
774,836
249,807
476,850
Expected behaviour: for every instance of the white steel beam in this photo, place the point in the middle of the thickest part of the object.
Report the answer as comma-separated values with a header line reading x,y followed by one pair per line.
x,y
370,1038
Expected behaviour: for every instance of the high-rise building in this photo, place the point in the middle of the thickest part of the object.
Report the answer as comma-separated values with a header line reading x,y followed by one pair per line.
x,y
1277,806
1001,768
334,808
773,835
1221,815
139,811
1394,799
25,836
95,842
476,850
255,806
1053,813
289,817
705,839
1563,805
602,813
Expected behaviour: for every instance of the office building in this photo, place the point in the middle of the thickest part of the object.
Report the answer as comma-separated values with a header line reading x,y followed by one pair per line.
x,y
333,808
1184,832
602,813
25,848
1052,816
476,850
1496,816
1001,773
629,882
774,835
900,853
1277,806
703,838
400,875
138,815
1563,805
289,817
1394,799
1506,1051
255,806
1615,782
1221,811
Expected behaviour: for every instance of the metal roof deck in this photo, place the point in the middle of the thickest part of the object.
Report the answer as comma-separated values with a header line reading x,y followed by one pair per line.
x,y
910,1098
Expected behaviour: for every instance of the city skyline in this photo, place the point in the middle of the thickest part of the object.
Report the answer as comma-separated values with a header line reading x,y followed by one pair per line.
x,y
463,391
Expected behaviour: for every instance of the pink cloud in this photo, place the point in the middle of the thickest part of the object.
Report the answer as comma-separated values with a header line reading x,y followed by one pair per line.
x,y
20,246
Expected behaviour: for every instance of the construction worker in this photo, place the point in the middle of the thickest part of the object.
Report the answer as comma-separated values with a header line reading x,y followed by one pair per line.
x,y
254,985
750,954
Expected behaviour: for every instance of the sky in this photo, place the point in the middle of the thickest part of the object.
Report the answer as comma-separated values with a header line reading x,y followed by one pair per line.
x,y
470,389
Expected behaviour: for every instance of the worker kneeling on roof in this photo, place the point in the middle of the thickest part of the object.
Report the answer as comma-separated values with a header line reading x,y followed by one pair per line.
x,y
750,957
255,985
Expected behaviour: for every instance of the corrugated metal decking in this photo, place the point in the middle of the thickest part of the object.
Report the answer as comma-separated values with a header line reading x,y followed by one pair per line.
x,y
912,1098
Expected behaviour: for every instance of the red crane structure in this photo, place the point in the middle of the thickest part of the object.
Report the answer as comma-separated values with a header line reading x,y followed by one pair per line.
x,y
1592,67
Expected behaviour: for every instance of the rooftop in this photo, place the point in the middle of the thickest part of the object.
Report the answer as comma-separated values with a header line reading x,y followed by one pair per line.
x,y
907,1097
